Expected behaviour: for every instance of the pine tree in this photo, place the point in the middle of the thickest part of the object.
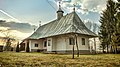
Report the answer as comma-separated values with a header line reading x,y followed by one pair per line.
x,y
27,48
107,21
8,45
104,30
17,48
115,38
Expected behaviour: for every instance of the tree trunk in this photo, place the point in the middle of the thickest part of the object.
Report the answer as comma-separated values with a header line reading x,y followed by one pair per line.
x,y
95,45
77,46
107,48
115,49
103,50
27,48
111,49
73,52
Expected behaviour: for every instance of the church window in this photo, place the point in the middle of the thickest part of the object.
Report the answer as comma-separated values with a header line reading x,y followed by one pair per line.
x,y
71,41
45,43
36,45
83,41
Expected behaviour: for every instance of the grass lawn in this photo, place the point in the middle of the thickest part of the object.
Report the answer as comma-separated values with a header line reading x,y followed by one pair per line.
x,y
12,59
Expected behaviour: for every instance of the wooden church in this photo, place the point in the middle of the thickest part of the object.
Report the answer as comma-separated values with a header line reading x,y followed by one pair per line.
x,y
61,35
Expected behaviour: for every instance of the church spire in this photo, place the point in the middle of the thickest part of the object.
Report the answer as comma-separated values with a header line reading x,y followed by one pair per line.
x,y
59,12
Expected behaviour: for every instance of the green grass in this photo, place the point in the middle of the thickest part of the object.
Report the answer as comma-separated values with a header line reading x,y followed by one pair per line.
x,y
12,59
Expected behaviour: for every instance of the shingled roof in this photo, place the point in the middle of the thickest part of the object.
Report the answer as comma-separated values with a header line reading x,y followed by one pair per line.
x,y
70,23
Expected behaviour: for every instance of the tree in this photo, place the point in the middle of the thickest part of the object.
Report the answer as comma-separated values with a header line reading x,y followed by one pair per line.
x,y
27,48
77,45
109,26
17,48
8,45
115,38
8,38
103,35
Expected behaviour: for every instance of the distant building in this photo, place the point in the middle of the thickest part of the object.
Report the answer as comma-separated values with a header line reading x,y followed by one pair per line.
x,y
60,35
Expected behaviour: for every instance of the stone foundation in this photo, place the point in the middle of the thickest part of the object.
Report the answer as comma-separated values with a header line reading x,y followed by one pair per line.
x,y
62,52
38,50
70,52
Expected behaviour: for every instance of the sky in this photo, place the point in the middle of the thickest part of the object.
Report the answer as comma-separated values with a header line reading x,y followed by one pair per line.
x,y
29,13
33,11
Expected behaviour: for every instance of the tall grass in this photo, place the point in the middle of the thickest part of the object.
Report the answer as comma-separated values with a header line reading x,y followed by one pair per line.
x,y
12,59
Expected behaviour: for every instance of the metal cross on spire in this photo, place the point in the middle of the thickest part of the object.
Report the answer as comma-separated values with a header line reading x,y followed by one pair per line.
x,y
74,7
59,4
39,23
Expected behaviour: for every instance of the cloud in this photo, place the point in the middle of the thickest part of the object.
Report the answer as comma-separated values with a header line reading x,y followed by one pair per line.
x,y
85,6
18,30
13,33
92,25
22,27
13,18
94,5
115,0
19,35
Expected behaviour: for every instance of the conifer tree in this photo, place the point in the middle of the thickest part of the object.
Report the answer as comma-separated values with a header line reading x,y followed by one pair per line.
x,y
108,25
115,38
27,48
17,48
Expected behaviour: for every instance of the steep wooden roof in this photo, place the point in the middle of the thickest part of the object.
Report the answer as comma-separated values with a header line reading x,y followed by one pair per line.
x,y
70,23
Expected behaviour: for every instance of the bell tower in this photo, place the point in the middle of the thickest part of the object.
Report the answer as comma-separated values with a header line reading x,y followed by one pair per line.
x,y
59,12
